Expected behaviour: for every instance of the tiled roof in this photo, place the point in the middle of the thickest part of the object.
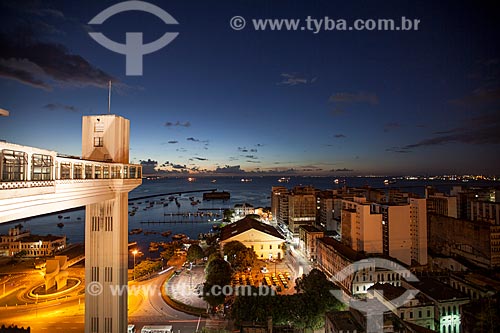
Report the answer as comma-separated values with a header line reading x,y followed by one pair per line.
x,y
246,224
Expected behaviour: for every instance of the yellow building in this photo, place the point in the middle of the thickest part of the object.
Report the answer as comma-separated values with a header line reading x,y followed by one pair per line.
x,y
263,238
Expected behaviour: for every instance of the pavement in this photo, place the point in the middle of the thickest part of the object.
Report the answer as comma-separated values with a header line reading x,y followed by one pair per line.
x,y
184,287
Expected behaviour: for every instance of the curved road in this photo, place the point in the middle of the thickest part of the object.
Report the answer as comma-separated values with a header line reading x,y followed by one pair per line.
x,y
146,307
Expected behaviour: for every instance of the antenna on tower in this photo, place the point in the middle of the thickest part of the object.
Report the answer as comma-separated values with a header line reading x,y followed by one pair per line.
x,y
109,97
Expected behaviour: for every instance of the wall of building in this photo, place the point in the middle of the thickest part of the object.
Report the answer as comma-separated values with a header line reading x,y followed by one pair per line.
x,y
265,246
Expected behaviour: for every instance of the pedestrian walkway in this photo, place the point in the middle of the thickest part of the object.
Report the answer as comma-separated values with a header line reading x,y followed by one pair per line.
x,y
187,287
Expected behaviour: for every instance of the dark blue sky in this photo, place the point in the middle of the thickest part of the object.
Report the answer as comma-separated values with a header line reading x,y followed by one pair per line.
x,y
374,102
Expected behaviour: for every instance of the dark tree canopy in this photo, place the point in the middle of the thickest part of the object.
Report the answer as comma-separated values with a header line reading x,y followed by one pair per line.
x,y
305,309
194,253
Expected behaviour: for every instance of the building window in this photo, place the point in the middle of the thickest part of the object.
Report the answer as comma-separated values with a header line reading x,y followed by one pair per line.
x,y
428,313
270,247
13,165
411,314
98,141
262,247
65,171
115,172
77,171
419,314
88,171
105,172
41,167
97,172
133,172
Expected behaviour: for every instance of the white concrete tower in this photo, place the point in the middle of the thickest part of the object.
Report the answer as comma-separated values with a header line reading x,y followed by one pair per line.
x,y
106,138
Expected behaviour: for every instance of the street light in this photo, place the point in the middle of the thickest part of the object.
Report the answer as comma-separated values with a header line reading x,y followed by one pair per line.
x,y
134,253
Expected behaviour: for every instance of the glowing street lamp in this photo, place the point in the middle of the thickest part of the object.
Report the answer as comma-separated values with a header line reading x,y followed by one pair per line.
x,y
134,253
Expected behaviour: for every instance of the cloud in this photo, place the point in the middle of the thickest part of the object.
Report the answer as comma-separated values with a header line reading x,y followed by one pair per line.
x,y
41,63
57,106
479,130
192,139
290,79
246,150
253,157
479,97
252,161
343,170
348,98
200,158
178,166
234,169
177,123
390,126
173,142
398,150
259,145
339,136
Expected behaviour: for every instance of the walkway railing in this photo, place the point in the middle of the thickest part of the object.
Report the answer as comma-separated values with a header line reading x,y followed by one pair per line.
x,y
29,167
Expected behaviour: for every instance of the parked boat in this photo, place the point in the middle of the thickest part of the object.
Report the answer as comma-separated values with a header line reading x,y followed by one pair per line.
x,y
166,233
60,225
179,236
214,195
135,231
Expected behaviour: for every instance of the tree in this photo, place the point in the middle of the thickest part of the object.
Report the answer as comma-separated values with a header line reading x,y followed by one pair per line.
x,y
21,254
232,248
228,214
243,259
239,256
306,309
217,274
194,253
146,267
169,250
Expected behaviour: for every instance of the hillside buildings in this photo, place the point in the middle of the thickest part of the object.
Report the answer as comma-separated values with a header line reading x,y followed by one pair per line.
x,y
19,240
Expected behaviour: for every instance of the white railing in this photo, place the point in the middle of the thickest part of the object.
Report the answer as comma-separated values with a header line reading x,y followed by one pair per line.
x,y
20,167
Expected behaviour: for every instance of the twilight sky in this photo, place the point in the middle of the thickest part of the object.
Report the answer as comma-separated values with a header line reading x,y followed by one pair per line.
x,y
332,102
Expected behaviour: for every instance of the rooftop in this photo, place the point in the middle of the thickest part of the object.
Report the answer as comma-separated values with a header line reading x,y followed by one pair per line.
x,y
310,228
437,289
345,321
36,238
246,224
342,249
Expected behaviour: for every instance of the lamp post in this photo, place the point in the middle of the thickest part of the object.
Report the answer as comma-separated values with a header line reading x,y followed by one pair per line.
x,y
134,253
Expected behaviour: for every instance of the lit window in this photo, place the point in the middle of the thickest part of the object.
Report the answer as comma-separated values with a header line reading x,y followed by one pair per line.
x,y
98,141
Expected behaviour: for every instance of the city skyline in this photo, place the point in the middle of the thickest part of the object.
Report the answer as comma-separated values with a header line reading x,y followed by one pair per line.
x,y
294,102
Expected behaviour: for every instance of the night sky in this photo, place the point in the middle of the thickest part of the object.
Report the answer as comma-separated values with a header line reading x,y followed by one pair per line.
x,y
296,102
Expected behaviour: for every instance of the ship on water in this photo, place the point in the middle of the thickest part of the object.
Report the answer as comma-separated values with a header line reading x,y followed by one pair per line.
x,y
215,195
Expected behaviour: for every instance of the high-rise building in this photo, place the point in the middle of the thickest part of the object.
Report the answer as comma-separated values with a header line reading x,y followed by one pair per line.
x,y
326,220
361,228
277,193
418,230
441,204
398,230
301,208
